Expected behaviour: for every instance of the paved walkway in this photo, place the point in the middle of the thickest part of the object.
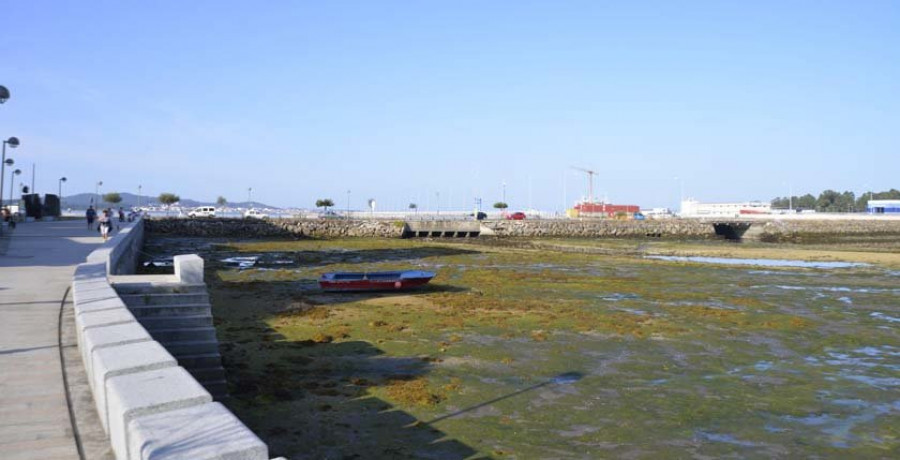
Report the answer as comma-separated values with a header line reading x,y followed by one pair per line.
x,y
35,273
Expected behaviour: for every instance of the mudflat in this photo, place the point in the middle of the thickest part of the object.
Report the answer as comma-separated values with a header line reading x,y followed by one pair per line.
x,y
562,348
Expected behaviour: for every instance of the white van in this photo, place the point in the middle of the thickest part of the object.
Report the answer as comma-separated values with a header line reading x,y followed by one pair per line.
x,y
255,214
203,211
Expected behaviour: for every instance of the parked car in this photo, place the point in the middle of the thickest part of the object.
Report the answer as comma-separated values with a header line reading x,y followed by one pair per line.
x,y
516,216
255,214
203,211
479,216
329,215
638,216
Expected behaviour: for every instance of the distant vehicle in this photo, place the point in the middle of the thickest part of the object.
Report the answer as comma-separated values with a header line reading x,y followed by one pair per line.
x,y
516,216
329,215
255,214
203,211
639,216
479,216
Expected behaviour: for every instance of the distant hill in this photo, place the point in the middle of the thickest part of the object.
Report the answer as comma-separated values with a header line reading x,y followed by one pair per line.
x,y
83,200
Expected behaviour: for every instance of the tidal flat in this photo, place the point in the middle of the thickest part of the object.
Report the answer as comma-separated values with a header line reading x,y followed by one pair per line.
x,y
555,348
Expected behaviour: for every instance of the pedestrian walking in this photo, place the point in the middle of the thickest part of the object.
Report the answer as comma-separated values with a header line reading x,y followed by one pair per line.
x,y
105,224
90,215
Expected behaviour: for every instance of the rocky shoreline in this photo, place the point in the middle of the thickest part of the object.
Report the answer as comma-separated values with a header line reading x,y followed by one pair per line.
x,y
768,231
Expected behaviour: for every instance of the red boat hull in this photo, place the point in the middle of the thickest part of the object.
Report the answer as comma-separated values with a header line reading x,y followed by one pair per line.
x,y
362,285
377,281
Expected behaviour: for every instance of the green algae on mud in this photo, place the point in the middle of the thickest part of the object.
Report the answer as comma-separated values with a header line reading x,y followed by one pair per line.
x,y
677,359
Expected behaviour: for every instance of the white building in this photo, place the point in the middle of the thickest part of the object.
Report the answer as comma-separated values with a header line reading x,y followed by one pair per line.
x,y
883,207
694,208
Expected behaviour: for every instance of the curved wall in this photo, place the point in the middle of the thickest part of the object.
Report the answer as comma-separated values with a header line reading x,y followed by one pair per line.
x,y
150,407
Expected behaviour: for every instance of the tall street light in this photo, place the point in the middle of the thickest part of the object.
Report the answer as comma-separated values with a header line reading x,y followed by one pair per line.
x,y
348,204
13,143
97,192
249,197
61,180
680,191
12,177
139,196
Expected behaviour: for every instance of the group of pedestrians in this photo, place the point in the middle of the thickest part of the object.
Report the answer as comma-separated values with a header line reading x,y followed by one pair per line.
x,y
105,221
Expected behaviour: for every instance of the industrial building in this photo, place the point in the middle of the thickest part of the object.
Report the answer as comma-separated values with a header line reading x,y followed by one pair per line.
x,y
587,209
883,207
694,208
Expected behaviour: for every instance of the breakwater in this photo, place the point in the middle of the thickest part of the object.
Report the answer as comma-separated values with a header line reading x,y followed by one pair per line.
x,y
764,230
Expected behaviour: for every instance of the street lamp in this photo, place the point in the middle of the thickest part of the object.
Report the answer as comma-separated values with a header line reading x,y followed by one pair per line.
x,y
97,190
4,94
249,197
348,204
13,143
680,192
12,177
139,196
61,180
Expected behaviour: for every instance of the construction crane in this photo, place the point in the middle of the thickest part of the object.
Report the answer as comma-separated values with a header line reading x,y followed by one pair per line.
x,y
591,175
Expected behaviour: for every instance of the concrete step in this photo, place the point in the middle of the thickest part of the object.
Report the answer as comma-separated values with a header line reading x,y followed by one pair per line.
x,y
207,360
192,348
212,374
183,334
218,389
136,300
157,288
145,311
152,323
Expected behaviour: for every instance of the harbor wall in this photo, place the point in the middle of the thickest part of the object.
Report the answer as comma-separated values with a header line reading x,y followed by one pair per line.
x,y
149,406
765,230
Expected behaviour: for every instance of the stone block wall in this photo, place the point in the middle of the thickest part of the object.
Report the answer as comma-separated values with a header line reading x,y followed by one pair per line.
x,y
149,406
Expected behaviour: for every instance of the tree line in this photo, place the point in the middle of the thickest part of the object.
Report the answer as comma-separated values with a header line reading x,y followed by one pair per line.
x,y
834,201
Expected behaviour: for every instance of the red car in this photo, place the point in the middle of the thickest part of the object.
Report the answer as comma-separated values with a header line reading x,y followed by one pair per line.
x,y
516,216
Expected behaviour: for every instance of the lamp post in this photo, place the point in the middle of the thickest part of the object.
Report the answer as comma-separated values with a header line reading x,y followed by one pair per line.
x,y
680,193
348,204
12,177
139,196
97,190
61,180
13,143
790,196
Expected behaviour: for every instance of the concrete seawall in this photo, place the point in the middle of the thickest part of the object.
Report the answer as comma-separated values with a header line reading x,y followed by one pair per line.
x,y
149,406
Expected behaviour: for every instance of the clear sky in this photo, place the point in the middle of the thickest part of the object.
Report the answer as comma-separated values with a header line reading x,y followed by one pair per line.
x,y
402,101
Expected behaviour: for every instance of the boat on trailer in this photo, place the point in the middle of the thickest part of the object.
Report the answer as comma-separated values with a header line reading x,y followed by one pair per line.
x,y
374,281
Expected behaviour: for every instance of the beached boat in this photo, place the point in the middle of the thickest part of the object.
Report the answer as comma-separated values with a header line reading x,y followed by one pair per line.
x,y
242,262
374,281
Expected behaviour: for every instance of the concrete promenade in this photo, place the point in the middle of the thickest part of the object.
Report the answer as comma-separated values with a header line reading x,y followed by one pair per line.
x,y
35,273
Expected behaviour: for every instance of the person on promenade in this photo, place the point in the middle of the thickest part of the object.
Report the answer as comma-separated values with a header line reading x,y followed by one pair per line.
x,y
121,215
104,225
90,214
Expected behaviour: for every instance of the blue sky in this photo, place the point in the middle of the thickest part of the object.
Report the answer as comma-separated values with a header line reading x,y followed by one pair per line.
x,y
402,101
